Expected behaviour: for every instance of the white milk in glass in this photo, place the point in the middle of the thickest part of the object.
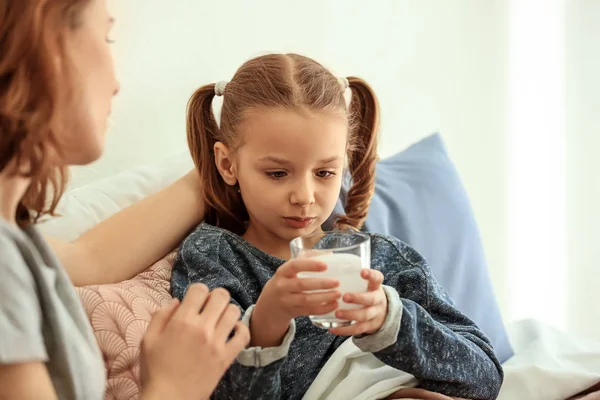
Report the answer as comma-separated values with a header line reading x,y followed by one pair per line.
x,y
346,268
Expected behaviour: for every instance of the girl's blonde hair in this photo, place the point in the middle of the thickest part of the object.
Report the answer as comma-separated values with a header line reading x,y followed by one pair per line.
x,y
291,82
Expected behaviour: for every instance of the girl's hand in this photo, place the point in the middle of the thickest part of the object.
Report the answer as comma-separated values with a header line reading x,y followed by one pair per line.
x,y
369,318
285,294
284,297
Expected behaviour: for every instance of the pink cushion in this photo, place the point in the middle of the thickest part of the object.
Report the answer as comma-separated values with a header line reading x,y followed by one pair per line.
x,y
119,314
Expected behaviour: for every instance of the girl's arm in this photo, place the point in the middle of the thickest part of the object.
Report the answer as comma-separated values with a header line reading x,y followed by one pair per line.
x,y
256,374
435,342
133,239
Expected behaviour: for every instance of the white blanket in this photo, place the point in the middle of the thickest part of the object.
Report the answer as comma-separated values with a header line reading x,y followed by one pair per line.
x,y
352,374
548,365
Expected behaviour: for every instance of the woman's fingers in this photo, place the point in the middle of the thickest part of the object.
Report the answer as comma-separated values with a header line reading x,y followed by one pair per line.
x,y
239,341
216,304
227,322
161,318
193,301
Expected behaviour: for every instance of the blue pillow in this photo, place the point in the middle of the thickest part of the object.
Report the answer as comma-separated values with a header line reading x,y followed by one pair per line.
x,y
419,198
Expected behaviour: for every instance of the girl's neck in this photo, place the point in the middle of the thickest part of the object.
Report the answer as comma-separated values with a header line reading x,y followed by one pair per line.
x,y
12,190
267,241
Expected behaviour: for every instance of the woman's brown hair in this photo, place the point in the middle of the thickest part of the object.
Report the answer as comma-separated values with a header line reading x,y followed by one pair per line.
x,y
284,81
32,80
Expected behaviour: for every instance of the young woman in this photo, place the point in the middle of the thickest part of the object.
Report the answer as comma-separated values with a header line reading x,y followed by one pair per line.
x,y
56,86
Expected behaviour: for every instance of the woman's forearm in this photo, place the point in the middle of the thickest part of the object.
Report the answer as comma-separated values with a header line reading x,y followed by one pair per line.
x,y
133,239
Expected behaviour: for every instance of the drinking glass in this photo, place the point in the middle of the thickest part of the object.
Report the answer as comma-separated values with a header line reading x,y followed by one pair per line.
x,y
345,254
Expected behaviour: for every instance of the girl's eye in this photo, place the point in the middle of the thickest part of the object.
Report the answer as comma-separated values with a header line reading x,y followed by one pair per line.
x,y
325,174
277,174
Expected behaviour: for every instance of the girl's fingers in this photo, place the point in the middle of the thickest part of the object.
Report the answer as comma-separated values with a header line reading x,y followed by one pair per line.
x,y
311,299
374,277
321,309
304,284
359,315
352,330
291,268
364,299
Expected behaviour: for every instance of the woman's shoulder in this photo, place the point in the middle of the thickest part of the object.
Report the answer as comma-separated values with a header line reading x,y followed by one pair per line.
x,y
20,309
14,247
24,265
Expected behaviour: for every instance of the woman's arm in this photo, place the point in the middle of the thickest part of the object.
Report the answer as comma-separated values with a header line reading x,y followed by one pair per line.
x,y
27,381
131,240
184,354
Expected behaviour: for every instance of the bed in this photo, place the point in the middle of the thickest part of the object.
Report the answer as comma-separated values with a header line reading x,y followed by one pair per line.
x,y
547,364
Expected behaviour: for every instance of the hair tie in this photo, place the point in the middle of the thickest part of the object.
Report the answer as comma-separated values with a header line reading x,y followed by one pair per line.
x,y
344,83
220,88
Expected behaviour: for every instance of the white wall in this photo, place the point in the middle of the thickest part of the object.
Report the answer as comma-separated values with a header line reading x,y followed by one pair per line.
x,y
537,252
583,165
436,66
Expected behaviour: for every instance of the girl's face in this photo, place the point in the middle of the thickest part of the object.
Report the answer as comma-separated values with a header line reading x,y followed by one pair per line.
x,y
289,170
82,127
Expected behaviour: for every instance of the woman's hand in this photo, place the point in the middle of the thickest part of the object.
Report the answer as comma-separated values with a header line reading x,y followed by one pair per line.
x,y
186,350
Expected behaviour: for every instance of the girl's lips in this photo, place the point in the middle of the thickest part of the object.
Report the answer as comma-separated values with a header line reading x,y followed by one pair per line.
x,y
298,223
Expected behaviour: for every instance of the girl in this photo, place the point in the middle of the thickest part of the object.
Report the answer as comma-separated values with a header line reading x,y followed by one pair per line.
x,y
56,86
273,171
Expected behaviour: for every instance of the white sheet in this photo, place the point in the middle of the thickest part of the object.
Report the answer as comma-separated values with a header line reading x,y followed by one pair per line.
x,y
352,374
548,365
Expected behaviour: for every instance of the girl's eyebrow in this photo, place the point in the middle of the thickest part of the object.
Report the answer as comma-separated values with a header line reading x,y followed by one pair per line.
x,y
330,160
274,159
278,160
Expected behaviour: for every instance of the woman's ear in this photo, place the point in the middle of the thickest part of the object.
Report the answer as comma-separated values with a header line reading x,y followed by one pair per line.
x,y
225,163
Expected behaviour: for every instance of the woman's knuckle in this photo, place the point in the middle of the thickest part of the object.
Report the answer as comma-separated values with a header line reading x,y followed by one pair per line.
x,y
180,322
221,293
203,334
245,336
197,289
234,311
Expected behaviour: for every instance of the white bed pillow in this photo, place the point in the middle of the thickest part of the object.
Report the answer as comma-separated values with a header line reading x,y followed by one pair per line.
x,y
82,208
